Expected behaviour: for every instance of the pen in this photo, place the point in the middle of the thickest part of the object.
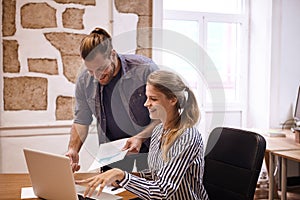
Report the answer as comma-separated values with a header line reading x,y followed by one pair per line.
x,y
115,188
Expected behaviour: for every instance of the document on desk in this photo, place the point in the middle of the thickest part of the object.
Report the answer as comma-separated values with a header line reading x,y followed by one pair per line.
x,y
27,193
275,133
109,153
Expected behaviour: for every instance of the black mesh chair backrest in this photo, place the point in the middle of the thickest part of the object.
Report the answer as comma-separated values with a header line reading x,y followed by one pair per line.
x,y
233,161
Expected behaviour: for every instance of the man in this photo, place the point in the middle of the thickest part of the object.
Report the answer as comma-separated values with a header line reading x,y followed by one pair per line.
x,y
112,88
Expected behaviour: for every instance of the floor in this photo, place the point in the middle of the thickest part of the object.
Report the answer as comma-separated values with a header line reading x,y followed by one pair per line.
x,y
293,193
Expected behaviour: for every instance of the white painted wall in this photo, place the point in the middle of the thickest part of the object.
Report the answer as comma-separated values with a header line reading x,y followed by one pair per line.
x,y
12,158
274,62
274,71
33,44
39,129
285,66
289,61
274,76
259,63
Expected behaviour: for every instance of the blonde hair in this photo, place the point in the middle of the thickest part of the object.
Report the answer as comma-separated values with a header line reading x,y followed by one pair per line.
x,y
98,41
172,86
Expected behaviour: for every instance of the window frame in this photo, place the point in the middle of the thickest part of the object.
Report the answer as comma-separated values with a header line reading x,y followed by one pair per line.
x,y
203,18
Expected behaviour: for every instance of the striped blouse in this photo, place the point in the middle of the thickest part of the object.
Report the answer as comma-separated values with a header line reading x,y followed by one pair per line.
x,y
179,178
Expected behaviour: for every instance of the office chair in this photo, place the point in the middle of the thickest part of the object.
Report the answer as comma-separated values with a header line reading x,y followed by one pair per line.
x,y
233,160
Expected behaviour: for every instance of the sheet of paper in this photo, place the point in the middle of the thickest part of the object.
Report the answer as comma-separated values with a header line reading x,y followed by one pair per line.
x,y
107,192
27,193
112,190
109,153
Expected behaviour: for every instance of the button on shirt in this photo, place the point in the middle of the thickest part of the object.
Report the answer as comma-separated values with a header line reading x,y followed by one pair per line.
x,y
181,177
89,95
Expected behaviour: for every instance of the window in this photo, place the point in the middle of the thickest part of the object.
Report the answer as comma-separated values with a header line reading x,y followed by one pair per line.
x,y
220,29
211,6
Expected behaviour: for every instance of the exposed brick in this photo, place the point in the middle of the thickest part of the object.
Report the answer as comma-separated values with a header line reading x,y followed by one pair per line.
x,y
144,11
30,93
8,17
66,43
144,51
144,41
38,15
64,108
11,62
144,22
71,65
144,37
25,93
72,18
40,65
139,7
83,2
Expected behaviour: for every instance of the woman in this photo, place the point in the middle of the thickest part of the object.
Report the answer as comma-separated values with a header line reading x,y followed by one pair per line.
x,y
176,155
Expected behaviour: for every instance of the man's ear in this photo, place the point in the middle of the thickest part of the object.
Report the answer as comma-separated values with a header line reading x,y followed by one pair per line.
x,y
173,101
113,53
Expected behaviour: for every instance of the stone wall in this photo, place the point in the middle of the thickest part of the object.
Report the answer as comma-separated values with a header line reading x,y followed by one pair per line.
x,y
41,50
25,93
144,11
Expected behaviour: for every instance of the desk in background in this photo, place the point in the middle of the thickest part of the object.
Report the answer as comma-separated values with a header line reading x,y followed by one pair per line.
x,y
11,184
291,155
281,143
277,145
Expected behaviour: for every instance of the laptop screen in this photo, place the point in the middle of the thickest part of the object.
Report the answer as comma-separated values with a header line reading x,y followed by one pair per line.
x,y
52,177
297,108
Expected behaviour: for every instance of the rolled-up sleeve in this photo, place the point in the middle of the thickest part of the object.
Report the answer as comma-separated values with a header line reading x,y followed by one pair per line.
x,y
83,113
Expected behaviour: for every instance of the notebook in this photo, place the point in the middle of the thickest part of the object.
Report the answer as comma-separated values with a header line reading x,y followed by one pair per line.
x,y
52,177
276,133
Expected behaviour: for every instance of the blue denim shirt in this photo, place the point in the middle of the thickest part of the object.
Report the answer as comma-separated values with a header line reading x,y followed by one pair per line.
x,y
135,70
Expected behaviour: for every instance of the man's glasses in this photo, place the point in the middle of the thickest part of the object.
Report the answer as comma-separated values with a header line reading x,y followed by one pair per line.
x,y
99,71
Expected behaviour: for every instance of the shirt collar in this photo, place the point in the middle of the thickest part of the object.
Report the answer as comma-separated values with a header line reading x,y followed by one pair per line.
x,y
125,68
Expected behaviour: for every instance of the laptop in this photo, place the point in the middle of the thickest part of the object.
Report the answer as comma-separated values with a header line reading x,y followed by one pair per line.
x,y
52,177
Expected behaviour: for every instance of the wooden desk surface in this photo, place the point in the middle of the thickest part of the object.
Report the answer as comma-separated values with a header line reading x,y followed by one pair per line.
x,y
281,143
291,154
11,184
276,144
